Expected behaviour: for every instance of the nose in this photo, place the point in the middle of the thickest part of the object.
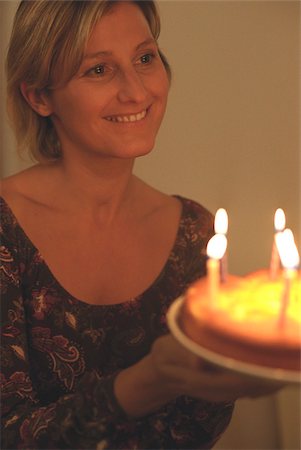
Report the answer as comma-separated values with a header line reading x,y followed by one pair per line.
x,y
132,87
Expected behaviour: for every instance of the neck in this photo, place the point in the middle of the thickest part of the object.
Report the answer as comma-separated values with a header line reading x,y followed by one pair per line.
x,y
101,189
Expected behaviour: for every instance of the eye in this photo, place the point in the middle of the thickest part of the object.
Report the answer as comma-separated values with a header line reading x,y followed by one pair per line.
x,y
147,58
98,71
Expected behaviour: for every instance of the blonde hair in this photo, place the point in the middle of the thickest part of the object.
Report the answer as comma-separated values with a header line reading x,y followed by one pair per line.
x,y
47,35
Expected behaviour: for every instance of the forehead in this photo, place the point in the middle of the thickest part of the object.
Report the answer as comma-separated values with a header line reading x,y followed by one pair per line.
x,y
124,24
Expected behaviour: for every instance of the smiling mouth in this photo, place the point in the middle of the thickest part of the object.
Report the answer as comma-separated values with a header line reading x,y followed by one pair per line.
x,y
128,118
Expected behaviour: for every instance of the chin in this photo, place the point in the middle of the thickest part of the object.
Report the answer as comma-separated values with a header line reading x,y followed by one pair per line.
x,y
136,150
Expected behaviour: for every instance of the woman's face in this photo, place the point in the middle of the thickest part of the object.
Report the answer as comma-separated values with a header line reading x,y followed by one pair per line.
x,y
114,105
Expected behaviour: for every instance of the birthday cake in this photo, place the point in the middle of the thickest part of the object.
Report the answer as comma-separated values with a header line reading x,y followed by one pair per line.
x,y
251,319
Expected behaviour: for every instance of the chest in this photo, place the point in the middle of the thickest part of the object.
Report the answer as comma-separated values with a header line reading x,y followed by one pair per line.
x,y
104,266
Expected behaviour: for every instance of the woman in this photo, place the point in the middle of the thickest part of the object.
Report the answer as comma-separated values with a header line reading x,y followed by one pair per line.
x,y
91,256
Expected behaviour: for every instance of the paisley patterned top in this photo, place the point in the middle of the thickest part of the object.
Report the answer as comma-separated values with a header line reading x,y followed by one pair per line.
x,y
60,355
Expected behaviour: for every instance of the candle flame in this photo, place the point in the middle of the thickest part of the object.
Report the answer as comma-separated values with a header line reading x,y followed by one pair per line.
x,y
287,249
279,220
216,247
221,221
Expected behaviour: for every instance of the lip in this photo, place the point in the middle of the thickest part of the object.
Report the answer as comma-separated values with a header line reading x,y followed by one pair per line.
x,y
128,118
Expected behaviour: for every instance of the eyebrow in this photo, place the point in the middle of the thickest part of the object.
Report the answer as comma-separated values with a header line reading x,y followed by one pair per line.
x,y
109,53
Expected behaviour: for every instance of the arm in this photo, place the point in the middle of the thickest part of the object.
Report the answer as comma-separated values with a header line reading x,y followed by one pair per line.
x,y
139,390
170,371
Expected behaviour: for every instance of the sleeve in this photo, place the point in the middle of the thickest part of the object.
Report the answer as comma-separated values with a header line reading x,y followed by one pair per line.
x,y
79,420
198,228
186,423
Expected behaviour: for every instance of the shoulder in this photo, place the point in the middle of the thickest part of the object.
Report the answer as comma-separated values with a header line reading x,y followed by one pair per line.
x,y
10,195
155,200
151,203
193,207
18,195
7,218
9,226
26,189
196,217
9,237
195,230
21,184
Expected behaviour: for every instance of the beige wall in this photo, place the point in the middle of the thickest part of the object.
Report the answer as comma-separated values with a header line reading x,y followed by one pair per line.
x,y
231,138
9,161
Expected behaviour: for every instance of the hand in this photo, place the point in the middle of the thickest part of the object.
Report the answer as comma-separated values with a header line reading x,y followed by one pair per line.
x,y
184,373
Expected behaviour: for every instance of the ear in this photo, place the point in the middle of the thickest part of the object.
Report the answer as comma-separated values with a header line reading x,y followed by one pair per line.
x,y
37,99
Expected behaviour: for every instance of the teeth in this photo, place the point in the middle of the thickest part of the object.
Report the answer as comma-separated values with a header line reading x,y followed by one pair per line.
x,y
130,118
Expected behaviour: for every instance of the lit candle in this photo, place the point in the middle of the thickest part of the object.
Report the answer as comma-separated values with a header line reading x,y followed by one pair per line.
x,y
279,225
216,248
289,257
221,227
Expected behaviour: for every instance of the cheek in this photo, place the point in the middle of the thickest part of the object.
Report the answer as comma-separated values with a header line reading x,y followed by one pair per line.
x,y
164,86
73,100
72,110
163,97
159,82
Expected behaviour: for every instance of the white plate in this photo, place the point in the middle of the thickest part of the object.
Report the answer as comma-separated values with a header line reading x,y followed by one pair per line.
x,y
224,361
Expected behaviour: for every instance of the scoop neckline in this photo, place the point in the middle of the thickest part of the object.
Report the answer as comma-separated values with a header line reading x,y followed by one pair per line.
x,y
120,304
